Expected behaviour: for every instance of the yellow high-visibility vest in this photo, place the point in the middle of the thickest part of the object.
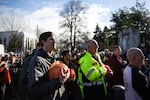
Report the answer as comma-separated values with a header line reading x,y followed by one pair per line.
x,y
92,69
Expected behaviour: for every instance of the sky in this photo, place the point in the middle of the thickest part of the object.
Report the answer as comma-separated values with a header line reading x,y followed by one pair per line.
x,y
45,13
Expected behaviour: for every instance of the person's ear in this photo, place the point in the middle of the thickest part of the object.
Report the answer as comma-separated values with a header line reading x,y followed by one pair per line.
x,y
42,42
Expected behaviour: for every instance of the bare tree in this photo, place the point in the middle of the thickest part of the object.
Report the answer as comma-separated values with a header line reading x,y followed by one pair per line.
x,y
13,24
15,43
73,20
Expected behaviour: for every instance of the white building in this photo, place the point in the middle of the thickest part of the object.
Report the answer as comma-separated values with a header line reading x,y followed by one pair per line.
x,y
28,41
129,37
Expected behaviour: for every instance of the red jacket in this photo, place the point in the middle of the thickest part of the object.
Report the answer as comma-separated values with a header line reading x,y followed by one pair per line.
x,y
5,75
117,68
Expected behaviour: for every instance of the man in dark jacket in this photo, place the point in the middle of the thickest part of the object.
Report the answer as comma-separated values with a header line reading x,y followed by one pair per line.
x,y
23,77
40,85
117,65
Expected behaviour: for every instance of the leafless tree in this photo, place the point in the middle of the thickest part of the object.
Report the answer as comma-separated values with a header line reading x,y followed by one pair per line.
x,y
73,20
13,24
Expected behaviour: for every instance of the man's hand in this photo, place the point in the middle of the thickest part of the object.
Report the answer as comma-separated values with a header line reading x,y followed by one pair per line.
x,y
64,75
72,74
109,71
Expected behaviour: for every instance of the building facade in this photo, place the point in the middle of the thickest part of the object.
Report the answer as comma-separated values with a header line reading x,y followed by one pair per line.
x,y
25,41
129,37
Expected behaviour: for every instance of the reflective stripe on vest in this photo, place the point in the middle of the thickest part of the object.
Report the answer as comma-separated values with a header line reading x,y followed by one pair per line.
x,y
90,83
91,71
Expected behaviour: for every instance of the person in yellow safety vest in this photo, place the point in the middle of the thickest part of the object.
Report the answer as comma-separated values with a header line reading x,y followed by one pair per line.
x,y
91,73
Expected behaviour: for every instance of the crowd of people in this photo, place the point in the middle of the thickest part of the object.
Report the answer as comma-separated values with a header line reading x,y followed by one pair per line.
x,y
90,74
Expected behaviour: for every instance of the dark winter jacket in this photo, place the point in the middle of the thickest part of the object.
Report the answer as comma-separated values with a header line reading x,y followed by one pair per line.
x,y
40,86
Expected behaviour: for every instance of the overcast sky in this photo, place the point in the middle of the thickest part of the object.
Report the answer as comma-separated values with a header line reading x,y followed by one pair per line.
x,y
45,13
